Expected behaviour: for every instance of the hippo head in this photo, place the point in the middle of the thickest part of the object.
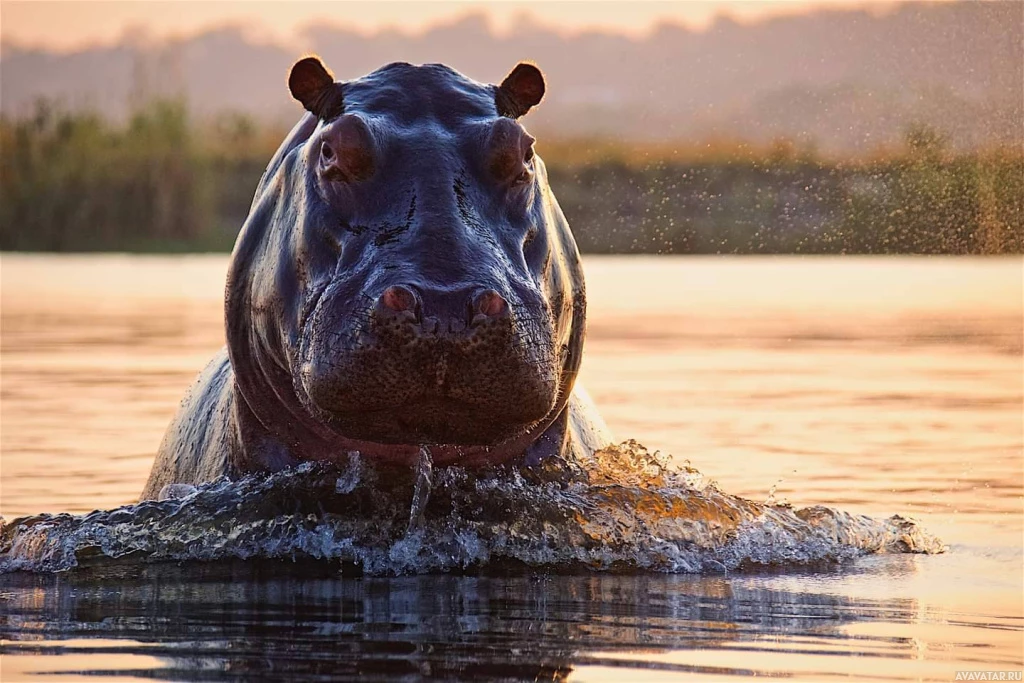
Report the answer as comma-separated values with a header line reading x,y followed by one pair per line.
x,y
405,276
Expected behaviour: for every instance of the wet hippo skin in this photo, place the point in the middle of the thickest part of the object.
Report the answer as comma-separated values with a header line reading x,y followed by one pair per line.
x,y
405,280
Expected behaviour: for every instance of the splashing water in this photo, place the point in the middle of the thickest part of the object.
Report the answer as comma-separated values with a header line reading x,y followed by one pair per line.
x,y
424,473
621,509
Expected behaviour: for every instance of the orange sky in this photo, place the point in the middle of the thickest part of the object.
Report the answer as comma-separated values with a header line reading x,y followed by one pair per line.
x,y
73,23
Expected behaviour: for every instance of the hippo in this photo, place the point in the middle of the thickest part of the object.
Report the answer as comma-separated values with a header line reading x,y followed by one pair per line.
x,y
405,282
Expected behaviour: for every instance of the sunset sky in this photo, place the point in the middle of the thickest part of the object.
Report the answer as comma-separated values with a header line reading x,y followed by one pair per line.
x,y
72,24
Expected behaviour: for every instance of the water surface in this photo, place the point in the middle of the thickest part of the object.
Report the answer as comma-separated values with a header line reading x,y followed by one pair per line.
x,y
875,386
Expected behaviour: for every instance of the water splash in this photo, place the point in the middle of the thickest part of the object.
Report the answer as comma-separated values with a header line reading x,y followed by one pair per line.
x,y
424,472
623,508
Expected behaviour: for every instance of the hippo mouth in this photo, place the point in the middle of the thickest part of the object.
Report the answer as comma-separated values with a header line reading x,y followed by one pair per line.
x,y
439,420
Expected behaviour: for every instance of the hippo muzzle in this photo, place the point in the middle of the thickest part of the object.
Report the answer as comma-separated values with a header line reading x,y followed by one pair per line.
x,y
466,365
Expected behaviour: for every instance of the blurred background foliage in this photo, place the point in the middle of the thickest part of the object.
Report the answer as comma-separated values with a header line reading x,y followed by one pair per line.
x,y
161,181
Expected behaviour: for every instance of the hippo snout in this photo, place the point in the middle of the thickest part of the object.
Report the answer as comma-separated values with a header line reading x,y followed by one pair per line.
x,y
432,365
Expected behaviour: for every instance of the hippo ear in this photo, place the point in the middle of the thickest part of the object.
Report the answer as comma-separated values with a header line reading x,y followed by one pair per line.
x,y
313,85
521,90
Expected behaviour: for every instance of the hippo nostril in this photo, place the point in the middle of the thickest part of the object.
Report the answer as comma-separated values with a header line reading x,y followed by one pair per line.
x,y
400,300
487,305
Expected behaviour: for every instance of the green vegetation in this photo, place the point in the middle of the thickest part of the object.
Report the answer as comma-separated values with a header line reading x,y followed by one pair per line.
x,y
160,182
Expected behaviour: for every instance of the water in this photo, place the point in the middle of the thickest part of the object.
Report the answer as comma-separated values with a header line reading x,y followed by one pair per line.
x,y
873,386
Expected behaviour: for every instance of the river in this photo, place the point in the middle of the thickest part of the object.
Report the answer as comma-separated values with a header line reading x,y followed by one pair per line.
x,y
877,386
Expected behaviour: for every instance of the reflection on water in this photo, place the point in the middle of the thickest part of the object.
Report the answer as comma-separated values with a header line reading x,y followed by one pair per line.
x,y
241,621
879,386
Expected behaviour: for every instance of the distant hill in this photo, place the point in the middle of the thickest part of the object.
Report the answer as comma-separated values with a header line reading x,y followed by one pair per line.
x,y
844,81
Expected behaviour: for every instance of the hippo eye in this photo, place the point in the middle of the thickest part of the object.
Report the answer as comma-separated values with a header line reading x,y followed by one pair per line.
x,y
326,152
527,173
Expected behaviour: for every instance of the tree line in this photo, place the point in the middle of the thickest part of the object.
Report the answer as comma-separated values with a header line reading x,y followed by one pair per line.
x,y
163,182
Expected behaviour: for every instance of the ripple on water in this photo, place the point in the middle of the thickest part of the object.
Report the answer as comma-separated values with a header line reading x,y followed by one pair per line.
x,y
623,508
